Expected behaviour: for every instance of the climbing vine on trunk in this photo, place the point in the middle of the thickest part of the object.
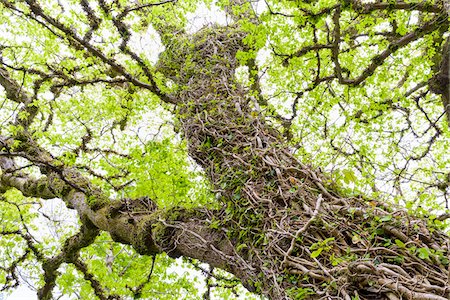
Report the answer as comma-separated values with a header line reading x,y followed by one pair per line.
x,y
300,236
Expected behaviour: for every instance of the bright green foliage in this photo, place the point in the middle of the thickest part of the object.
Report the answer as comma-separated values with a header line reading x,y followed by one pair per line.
x,y
368,132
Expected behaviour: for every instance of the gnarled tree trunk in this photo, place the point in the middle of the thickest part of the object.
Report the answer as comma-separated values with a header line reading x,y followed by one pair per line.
x,y
296,233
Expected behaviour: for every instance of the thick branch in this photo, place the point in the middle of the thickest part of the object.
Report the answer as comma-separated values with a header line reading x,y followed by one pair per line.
x,y
15,92
69,254
136,222
424,6
379,59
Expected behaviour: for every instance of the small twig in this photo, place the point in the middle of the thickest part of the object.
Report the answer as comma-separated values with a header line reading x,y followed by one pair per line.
x,y
304,228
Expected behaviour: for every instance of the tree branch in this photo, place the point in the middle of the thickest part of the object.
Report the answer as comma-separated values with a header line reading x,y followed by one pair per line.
x,y
70,34
15,92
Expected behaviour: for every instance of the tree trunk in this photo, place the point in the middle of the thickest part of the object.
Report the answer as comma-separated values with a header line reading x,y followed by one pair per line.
x,y
295,231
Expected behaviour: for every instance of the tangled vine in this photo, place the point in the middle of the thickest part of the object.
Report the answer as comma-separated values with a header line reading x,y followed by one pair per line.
x,y
301,236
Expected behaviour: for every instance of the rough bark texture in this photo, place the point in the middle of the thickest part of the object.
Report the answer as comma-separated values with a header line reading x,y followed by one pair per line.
x,y
297,233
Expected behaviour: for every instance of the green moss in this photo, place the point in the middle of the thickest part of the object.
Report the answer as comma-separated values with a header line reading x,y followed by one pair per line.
x,y
158,232
57,185
41,185
96,201
143,240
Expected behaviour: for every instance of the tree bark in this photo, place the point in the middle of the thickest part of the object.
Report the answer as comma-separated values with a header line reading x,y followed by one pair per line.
x,y
289,223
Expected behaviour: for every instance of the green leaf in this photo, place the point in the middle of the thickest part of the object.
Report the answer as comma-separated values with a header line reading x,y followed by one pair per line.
x,y
316,253
356,239
424,253
400,243
349,176
241,246
386,218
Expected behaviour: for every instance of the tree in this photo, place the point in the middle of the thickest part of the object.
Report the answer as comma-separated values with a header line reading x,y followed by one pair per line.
x,y
302,147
